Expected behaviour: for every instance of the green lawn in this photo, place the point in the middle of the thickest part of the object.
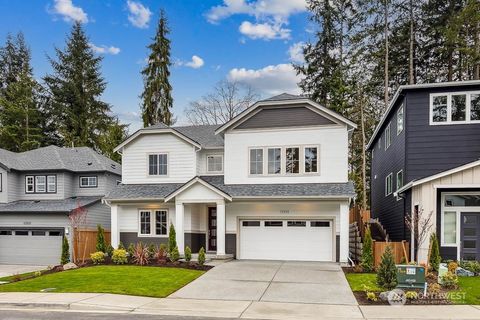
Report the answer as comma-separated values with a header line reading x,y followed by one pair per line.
x,y
21,276
131,280
363,281
469,291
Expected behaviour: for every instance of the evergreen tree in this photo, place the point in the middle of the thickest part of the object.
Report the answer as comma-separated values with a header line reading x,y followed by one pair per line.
x,y
387,271
367,252
75,88
157,98
101,243
435,259
172,239
65,258
14,60
116,133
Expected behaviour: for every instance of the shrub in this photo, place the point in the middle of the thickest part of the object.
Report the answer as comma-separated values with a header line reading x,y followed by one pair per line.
x,y
188,254
172,239
434,289
161,253
411,295
174,255
452,267
435,258
473,266
97,257
101,243
387,271
151,250
110,250
201,256
357,268
121,246
119,256
140,254
65,258
131,250
450,280
37,273
371,296
367,252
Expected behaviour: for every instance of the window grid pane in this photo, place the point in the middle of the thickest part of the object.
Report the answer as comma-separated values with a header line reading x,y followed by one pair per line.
x,y
450,227
440,109
459,107
51,183
311,159
292,160
475,106
161,222
40,183
145,222
400,120
214,163
163,164
256,161
274,160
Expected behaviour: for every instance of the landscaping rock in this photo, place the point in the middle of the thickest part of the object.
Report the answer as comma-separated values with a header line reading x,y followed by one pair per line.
x,y
384,295
69,266
464,272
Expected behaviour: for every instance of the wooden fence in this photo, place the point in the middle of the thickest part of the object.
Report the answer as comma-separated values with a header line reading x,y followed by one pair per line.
x,y
360,217
85,242
400,250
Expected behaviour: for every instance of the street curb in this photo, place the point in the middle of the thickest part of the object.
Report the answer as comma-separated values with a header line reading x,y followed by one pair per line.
x,y
32,305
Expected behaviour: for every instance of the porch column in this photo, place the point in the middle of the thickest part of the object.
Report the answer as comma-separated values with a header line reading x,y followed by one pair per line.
x,y
344,232
180,237
114,230
221,228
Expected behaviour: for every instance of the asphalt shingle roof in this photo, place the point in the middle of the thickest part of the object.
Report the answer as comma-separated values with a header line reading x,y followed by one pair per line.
x,y
43,206
204,135
82,159
160,191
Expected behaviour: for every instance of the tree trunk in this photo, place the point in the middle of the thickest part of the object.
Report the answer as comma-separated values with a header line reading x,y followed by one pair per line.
x,y
386,51
364,160
411,76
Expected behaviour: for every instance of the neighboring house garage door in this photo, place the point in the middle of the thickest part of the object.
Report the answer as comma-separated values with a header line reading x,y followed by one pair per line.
x,y
277,239
31,246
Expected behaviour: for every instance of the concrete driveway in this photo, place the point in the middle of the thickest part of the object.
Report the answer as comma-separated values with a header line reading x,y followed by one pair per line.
x,y
272,281
7,270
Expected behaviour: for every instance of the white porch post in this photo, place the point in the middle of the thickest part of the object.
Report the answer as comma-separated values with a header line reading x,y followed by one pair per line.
x,y
179,229
221,228
344,232
115,232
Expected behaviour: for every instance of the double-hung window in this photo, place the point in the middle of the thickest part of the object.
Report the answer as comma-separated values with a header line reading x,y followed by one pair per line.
x,y
51,184
400,120
274,160
153,222
292,160
399,179
88,182
256,161
40,184
388,185
158,164
214,163
388,135
311,159
29,184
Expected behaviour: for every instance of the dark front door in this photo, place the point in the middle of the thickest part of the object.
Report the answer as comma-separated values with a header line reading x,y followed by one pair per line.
x,y
212,229
470,236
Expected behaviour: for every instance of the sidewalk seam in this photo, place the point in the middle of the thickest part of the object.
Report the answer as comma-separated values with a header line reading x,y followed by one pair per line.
x,y
270,282
249,305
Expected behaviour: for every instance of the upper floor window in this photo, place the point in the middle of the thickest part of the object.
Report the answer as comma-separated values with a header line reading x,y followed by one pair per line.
x,y
158,164
388,136
274,160
40,184
399,179
292,157
388,185
311,159
400,120
458,107
88,182
215,163
256,161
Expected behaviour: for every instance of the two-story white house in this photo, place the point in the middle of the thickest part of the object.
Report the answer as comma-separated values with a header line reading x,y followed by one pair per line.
x,y
272,183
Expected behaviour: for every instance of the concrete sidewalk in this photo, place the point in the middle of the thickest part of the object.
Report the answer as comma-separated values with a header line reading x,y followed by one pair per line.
x,y
92,302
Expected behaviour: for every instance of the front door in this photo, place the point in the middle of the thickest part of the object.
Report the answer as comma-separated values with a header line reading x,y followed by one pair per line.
x,y
470,236
212,229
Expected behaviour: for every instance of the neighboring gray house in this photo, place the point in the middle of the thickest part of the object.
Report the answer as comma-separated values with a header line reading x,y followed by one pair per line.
x,y
38,191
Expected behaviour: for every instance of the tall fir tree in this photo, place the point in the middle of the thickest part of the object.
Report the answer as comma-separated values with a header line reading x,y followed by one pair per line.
x,y
14,60
75,88
157,98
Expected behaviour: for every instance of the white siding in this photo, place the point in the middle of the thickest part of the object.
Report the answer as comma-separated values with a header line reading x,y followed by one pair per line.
x,y
3,186
181,159
128,214
333,154
202,161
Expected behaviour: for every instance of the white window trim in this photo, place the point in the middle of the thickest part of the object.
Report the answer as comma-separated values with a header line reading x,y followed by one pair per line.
x,y
158,165
388,130
152,223
318,160
396,182
27,184
1,182
403,119
210,155
301,161
250,162
40,184
282,166
49,184
88,180
449,108
386,184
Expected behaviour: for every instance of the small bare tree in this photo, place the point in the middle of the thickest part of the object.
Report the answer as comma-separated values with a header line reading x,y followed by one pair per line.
x,y
228,99
420,226
78,220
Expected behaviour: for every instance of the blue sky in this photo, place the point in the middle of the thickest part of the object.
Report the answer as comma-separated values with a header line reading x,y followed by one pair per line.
x,y
252,42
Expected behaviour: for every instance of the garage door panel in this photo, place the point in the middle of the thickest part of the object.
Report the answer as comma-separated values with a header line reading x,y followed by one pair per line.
x,y
299,241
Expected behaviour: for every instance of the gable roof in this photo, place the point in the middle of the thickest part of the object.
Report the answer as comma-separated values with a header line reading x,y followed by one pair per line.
x,y
284,100
201,181
81,159
411,87
44,206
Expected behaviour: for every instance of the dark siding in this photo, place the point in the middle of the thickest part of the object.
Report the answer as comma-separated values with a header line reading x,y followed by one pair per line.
x,y
194,240
433,149
284,117
388,209
337,247
231,244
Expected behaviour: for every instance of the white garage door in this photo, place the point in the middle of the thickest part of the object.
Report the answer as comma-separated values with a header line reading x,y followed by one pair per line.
x,y
36,247
303,240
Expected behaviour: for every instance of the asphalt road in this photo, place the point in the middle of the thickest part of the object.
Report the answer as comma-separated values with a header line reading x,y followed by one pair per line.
x,y
62,315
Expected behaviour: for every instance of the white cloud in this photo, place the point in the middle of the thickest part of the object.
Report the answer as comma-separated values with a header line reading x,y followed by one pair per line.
x,y
295,52
195,63
273,79
104,49
265,31
139,14
69,11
